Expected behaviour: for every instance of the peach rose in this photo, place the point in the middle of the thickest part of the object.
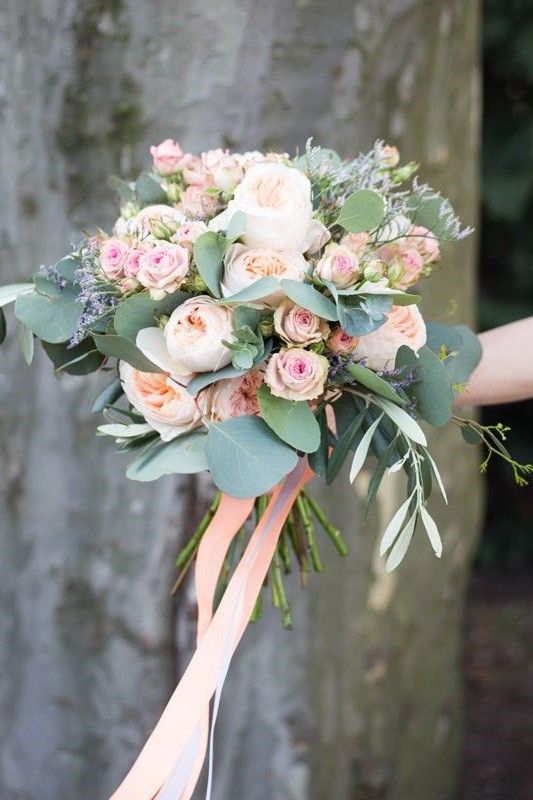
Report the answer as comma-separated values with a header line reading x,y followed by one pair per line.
x,y
425,243
150,219
297,325
243,266
165,405
195,333
235,397
341,343
113,258
168,157
296,374
358,242
405,325
163,266
339,265
222,169
277,202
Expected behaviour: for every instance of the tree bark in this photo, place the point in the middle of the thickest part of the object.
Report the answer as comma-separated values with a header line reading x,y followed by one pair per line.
x,y
362,700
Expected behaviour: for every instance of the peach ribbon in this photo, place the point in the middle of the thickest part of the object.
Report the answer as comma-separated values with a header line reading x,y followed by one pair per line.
x,y
181,732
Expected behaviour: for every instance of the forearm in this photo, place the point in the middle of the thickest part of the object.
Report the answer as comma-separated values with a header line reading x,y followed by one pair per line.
x,y
505,372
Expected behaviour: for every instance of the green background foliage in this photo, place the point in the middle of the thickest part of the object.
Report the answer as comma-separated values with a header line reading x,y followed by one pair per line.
x,y
506,268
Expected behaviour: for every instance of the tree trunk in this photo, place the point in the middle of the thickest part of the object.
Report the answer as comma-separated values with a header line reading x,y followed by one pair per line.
x,y
362,700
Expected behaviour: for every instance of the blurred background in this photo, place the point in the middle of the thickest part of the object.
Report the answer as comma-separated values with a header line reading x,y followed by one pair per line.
x,y
411,686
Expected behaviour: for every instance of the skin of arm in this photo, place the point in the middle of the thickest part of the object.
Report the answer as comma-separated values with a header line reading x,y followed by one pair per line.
x,y
505,372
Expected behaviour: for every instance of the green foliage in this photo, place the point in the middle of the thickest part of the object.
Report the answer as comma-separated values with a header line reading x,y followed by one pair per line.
x,y
118,347
374,383
79,360
308,297
149,191
52,317
183,455
246,458
362,211
208,256
293,421
140,311
432,391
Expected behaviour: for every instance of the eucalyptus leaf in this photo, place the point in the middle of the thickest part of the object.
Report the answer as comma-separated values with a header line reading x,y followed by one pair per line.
x,y
236,227
118,347
360,315
308,297
140,310
3,326
362,211
52,319
256,291
149,191
292,420
109,395
82,359
207,378
462,344
432,391
324,157
185,455
208,255
246,458
66,267
9,293
428,215
126,192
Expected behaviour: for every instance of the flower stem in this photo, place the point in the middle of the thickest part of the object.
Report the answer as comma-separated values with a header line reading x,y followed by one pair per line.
x,y
309,528
332,531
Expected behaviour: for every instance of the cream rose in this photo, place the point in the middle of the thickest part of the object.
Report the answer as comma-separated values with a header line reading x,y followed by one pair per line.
x,y
165,405
195,333
222,169
340,342
277,202
244,265
235,397
189,232
197,204
405,325
296,374
113,258
163,266
151,218
339,265
297,325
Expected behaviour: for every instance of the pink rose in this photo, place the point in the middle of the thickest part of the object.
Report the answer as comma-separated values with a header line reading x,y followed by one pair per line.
x,y
297,325
296,374
152,218
188,233
404,262
195,334
339,265
113,257
425,242
165,405
194,173
131,267
196,204
163,266
243,266
341,343
168,157
221,169
358,242
235,397
405,325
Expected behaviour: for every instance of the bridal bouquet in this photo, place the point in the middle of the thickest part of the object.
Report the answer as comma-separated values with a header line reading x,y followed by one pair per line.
x,y
256,317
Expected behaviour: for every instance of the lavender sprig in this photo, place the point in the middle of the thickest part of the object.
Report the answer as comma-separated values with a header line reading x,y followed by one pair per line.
x,y
97,297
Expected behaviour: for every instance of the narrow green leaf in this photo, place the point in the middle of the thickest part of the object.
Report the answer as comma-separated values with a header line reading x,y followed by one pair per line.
x,y
403,420
293,421
431,530
8,294
27,344
3,326
318,461
367,378
342,447
107,396
401,545
394,526
377,477
119,431
82,359
362,450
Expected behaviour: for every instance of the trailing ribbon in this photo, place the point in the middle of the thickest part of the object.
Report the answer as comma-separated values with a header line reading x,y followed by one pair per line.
x,y
170,762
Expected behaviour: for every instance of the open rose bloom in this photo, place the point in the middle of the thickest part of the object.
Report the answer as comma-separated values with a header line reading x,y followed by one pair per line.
x,y
257,316
242,301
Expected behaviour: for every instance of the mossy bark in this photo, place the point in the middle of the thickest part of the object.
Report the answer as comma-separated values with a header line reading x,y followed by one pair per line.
x,y
362,700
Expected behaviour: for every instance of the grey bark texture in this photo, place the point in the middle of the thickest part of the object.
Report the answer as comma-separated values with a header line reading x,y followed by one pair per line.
x,y
362,700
